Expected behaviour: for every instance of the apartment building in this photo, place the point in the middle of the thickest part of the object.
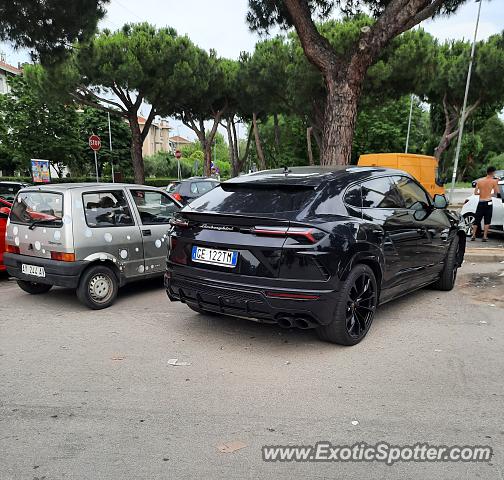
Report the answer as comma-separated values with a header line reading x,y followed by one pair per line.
x,y
157,140
6,71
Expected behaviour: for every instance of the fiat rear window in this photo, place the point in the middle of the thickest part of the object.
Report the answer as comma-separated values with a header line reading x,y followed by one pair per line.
x,y
38,208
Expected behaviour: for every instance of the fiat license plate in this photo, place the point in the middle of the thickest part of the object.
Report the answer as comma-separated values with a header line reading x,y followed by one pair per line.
x,y
33,270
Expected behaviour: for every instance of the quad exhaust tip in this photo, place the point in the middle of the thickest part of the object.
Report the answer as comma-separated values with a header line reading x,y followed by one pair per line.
x,y
285,322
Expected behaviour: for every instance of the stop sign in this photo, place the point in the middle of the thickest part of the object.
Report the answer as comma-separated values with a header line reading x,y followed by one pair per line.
x,y
95,142
178,154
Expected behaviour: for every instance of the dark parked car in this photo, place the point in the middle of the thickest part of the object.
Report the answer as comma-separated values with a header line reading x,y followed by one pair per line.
x,y
312,248
8,190
189,189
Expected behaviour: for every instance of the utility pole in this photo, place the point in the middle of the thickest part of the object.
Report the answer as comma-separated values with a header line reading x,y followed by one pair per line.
x,y
409,124
462,118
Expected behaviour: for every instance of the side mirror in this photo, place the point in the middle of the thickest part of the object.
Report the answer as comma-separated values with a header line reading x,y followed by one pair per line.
x,y
440,201
4,212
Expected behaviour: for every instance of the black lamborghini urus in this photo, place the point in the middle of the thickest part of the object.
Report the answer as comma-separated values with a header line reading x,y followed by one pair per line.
x,y
311,247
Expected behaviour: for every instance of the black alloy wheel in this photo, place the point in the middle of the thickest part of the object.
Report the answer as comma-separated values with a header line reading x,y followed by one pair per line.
x,y
361,305
355,308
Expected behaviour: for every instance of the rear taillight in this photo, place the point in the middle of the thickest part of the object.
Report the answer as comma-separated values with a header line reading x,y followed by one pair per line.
x,y
63,257
304,232
178,222
11,248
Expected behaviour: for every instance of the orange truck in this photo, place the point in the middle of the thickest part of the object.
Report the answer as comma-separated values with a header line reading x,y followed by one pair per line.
x,y
422,167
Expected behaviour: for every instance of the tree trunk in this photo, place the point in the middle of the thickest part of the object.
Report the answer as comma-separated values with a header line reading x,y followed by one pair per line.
x,y
276,129
444,143
208,158
136,150
452,122
241,159
309,146
232,149
339,120
260,153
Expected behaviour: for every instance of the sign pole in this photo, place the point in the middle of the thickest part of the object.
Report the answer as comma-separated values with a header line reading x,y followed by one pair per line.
x,y
178,155
95,145
96,166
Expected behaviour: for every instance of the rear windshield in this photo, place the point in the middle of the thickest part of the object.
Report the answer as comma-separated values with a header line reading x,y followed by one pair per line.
x,y
38,208
259,199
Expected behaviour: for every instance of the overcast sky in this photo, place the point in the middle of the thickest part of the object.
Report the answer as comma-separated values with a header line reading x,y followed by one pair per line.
x,y
220,24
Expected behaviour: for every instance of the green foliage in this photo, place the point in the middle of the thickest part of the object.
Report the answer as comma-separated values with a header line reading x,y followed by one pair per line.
x,y
383,128
492,137
497,162
261,78
140,59
470,164
36,128
93,121
164,164
292,150
153,182
48,26
264,14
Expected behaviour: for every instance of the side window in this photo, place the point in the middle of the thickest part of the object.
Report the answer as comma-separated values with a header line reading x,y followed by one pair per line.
x,y
154,207
353,196
411,192
107,209
199,188
380,193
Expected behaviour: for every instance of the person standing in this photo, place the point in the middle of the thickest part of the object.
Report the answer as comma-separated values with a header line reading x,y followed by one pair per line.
x,y
484,188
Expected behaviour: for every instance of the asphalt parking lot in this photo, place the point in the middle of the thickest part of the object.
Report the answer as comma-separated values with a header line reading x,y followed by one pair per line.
x,y
90,395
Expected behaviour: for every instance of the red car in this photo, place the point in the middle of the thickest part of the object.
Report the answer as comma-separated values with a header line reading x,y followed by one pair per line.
x,y
5,207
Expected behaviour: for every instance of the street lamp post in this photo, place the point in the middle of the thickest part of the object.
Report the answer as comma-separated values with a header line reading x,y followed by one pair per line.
x,y
462,118
409,124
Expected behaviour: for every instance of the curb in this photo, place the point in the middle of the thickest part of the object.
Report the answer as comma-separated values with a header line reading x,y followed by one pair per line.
x,y
484,255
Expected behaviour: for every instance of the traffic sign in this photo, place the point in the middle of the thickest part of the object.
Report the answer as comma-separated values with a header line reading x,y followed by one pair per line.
x,y
95,142
178,154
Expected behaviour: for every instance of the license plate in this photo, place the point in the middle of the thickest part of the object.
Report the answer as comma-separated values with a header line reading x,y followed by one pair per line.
x,y
212,256
33,270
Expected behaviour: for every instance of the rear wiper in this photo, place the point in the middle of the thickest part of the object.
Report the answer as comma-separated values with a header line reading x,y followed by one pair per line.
x,y
34,223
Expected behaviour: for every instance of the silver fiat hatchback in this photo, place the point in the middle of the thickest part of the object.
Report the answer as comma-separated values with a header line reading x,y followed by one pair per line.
x,y
91,237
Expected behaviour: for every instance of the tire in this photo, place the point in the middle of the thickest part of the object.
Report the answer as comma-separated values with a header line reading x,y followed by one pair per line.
x,y
446,280
353,316
34,288
98,287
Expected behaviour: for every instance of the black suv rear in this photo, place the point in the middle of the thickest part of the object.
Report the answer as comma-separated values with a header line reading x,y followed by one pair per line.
x,y
312,247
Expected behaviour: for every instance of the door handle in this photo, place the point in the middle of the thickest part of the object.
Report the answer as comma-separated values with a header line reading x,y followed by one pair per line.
x,y
146,233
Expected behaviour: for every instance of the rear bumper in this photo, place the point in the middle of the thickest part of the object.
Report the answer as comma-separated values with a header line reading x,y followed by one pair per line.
x,y
62,274
251,301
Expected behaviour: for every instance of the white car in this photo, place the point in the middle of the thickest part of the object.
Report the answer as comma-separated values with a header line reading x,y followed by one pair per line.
x,y
469,209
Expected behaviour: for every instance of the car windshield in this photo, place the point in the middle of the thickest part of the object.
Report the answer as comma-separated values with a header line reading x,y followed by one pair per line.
x,y
34,207
255,199
8,191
